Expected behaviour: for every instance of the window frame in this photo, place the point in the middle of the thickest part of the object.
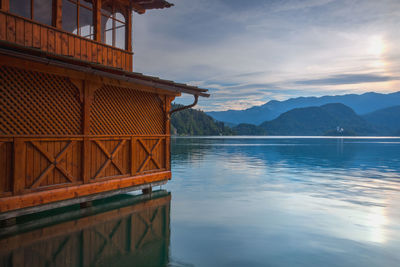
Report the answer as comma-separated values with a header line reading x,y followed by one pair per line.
x,y
115,8
81,4
31,11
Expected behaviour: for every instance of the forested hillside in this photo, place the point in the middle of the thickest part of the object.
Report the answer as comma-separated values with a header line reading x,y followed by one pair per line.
x,y
196,122
323,120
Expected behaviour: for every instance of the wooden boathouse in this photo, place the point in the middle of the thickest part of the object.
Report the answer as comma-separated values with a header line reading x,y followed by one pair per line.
x,y
76,124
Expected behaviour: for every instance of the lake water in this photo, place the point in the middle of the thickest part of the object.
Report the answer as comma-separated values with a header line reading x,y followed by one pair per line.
x,y
285,202
236,202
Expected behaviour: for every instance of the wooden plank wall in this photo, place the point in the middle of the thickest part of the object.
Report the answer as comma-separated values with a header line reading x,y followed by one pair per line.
x,y
53,162
46,142
25,32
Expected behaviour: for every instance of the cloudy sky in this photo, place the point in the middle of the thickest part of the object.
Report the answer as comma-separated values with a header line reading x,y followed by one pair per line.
x,y
248,52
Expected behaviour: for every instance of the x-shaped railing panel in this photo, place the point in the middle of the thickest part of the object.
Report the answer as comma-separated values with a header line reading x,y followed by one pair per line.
x,y
54,163
110,157
150,155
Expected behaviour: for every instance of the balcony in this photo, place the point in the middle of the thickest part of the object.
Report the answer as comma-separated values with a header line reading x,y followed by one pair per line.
x,y
23,32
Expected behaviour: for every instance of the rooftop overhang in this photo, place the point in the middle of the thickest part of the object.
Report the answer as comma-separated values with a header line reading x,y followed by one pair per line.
x,y
103,71
140,6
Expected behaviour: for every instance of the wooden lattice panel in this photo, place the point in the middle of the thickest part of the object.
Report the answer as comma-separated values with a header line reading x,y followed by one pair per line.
x,y
6,161
52,163
37,103
124,111
109,158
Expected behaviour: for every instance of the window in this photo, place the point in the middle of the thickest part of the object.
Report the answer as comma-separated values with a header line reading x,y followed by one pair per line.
x,y
39,10
113,25
77,17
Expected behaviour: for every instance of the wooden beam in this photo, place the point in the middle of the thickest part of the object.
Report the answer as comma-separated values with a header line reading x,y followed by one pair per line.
x,y
78,191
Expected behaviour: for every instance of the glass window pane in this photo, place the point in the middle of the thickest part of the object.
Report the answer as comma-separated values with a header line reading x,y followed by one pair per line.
x,y
86,23
120,35
69,16
42,11
21,7
106,30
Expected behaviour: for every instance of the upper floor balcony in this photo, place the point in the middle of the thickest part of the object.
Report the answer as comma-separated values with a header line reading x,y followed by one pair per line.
x,y
95,31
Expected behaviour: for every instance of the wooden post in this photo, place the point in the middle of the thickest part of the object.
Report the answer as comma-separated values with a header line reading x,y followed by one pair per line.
x,y
133,150
128,38
97,20
19,166
5,5
88,96
168,101
129,30
86,204
147,190
87,102
57,14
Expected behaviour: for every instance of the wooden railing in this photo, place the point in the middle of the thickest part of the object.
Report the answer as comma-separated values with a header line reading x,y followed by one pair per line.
x,y
32,164
28,33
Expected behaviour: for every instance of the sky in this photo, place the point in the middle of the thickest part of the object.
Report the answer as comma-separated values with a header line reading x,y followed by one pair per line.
x,y
249,52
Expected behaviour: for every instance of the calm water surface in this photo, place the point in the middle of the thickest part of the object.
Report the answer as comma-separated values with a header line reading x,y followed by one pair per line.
x,y
285,202
235,202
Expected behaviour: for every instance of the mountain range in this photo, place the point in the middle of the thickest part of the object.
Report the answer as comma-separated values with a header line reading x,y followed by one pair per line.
x,y
330,119
361,104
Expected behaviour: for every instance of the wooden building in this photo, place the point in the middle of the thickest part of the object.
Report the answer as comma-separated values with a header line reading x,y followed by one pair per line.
x,y
120,231
76,123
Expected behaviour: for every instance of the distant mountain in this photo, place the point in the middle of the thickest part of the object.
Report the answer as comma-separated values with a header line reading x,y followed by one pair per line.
x,y
329,119
196,122
386,120
361,104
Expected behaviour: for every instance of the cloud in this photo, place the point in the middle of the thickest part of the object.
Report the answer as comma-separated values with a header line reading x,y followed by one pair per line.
x,y
348,79
247,52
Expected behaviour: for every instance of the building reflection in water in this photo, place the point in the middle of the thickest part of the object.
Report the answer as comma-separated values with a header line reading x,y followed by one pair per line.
x,y
118,231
